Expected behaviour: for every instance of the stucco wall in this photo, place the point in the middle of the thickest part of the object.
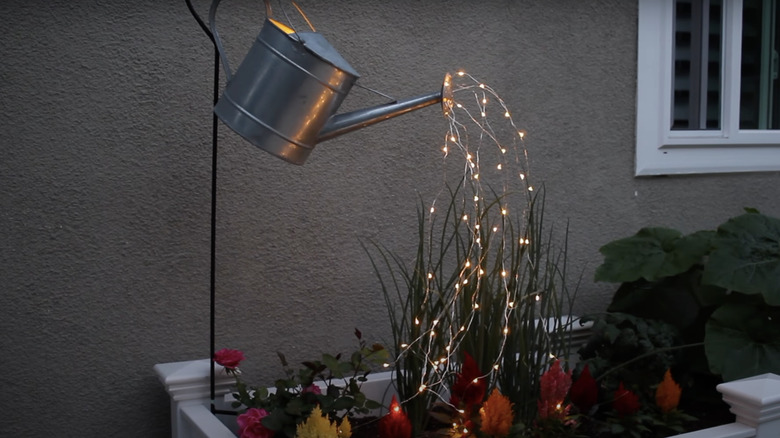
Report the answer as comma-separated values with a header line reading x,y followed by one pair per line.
x,y
105,186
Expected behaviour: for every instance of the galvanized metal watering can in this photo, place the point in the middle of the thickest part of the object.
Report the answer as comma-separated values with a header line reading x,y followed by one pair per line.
x,y
285,94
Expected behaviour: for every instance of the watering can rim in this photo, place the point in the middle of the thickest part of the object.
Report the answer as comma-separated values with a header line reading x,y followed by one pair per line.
x,y
316,44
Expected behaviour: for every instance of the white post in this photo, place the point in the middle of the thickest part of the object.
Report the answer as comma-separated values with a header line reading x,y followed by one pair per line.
x,y
188,384
756,403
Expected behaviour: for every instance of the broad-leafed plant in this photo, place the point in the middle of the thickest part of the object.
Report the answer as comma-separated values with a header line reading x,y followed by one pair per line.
x,y
718,287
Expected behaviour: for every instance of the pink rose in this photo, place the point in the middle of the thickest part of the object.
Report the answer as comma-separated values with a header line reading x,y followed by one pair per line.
x,y
230,359
251,426
314,389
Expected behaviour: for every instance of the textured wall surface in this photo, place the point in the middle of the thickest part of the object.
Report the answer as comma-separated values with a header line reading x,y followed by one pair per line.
x,y
105,185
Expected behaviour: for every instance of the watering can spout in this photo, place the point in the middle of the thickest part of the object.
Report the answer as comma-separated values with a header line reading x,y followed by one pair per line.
x,y
347,122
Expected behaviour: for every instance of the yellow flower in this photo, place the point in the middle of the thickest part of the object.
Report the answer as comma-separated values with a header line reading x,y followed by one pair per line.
x,y
667,396
318,426
345,429
496,415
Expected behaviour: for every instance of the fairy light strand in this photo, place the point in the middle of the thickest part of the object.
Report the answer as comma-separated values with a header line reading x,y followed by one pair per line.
x,y
482,133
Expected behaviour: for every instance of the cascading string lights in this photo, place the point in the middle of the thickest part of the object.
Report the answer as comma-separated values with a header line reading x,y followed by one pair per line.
x,y
482,133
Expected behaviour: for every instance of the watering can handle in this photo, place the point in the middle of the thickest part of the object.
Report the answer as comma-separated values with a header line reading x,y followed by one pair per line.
x,y
218,41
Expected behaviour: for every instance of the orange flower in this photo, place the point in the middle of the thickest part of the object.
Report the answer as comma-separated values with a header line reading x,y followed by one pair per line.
x,y
667,396
496,414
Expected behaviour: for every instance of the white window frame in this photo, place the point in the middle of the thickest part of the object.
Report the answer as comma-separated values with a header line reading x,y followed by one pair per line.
x,y
663,151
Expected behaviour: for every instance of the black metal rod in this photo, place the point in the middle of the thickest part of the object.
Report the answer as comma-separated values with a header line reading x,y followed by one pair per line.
x,y
213,267
213,248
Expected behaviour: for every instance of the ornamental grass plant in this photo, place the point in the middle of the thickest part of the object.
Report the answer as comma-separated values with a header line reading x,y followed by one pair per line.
x,y
483,284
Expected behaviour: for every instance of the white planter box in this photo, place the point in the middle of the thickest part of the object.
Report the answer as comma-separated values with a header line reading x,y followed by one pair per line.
x,y
755,401
188,384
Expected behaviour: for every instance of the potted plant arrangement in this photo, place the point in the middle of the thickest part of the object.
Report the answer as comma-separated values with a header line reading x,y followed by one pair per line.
x,y
481,329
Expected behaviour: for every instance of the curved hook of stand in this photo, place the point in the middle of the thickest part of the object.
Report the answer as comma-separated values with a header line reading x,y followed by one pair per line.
x,y
199,20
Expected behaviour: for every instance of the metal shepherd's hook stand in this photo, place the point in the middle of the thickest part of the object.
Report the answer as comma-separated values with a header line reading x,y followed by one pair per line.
x,y
213,251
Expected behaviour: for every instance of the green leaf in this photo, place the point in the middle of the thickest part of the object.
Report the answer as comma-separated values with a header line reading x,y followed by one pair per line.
x,y
333,391
296,407
275,420
343,403
360,399
671,299
746,257
612,332
651,254
372,404
742,339
333,364
282,384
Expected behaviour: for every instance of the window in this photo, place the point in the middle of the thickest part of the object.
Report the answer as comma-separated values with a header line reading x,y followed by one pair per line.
x,y
708,93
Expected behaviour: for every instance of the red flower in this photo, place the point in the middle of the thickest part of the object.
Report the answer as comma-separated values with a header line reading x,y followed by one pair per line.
x,y
251,426
469,387
584,393
395,424
230,359
626,402
554,385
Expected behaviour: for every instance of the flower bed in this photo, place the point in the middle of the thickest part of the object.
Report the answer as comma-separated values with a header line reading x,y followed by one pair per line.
x,y
755,402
